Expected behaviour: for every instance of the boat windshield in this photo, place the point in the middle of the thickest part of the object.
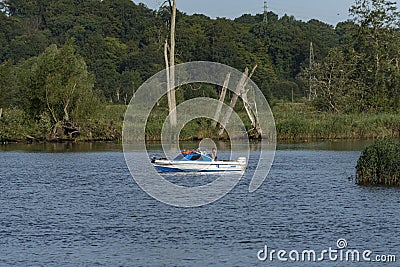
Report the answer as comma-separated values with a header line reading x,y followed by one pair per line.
x,y
179,157
193,157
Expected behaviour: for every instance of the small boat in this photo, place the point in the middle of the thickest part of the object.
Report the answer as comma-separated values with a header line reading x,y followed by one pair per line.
x,y
198,161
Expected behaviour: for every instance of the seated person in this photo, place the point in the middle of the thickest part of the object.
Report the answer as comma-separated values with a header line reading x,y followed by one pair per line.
x,y
214,154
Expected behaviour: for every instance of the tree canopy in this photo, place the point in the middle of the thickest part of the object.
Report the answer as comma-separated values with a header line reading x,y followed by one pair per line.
x,y
356,66
122,42
363,74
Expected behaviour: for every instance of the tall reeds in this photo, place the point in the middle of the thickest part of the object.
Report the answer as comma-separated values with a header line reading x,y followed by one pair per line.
x,y
295,122
379,164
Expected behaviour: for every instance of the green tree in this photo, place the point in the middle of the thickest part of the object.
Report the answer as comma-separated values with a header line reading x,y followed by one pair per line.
x,y
334,82
376,41
8,96
57,84
285,90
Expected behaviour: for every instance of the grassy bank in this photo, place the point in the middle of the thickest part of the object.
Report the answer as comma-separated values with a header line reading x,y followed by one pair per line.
x,y
294,122
16,126
300,122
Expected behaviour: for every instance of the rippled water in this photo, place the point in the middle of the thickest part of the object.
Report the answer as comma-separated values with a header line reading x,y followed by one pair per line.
x,y
84,209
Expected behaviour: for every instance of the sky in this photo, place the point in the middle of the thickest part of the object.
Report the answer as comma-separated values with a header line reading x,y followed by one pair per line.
x,y
329,11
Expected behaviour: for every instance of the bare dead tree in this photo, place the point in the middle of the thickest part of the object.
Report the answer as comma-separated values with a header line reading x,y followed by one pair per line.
x,y
171,69
228,114
240,89
221,100
168,76
118,94
246,101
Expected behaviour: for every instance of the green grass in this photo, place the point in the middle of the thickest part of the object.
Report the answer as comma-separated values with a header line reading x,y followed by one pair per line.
x,y
294,122
379,164
193,130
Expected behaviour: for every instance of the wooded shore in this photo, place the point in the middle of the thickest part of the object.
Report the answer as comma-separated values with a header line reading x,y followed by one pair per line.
x,y
294,122
68,76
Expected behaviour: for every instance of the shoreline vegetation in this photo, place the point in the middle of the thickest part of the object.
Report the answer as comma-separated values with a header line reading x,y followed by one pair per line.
x,y
295,122
379,164
68,76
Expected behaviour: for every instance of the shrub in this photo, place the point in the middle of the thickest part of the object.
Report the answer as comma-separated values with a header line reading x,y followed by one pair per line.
x,y
379,164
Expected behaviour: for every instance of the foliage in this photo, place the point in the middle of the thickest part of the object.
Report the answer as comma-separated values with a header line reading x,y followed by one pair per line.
x,y
7,92
335,82
58,83
122,43
16,125
54,89
285,90
379,164
60,57
363,74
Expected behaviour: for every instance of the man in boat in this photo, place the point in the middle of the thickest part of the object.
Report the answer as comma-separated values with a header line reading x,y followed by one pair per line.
x,y
214,154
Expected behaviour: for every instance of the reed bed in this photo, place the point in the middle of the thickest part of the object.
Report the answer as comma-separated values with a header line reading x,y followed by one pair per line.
x,y
294,122
379,164
300,122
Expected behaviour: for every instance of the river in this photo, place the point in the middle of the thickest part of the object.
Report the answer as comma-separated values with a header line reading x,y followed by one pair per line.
x,y
77,205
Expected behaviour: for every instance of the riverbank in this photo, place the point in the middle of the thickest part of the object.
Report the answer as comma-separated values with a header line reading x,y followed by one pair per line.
x,y
300,122
294,122
17,127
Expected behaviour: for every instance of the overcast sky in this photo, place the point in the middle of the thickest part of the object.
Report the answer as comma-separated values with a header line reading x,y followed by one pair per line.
x,y
329,11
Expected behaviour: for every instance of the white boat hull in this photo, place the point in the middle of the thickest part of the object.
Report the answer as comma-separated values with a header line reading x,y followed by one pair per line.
x,y
199,166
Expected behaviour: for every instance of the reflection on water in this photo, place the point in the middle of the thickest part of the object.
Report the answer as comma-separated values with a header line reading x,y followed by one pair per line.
x,y
340,145
62,147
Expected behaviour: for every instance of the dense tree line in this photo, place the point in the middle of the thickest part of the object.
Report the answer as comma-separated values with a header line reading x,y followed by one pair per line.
x,y
122,43
56,53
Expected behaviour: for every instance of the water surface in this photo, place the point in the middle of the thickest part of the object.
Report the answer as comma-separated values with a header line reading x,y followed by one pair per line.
x,y
80,207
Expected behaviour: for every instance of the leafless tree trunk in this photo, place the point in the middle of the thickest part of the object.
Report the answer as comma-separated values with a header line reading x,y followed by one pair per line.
x,y
1,113
66,113
168,77
171,87
241,84
240,90
221,100
52,112
117,94
246,101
